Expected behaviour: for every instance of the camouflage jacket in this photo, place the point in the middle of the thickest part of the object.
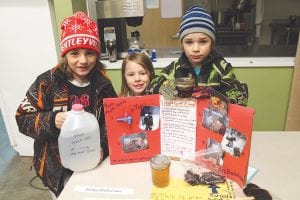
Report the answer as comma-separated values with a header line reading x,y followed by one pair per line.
x,y
215,73
36,114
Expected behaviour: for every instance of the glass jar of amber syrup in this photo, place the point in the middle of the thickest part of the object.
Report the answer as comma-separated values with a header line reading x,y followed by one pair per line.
x,y
160,169
184,87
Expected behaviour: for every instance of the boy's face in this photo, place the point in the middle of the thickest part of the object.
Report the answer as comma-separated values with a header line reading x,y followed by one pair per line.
x,y
197,47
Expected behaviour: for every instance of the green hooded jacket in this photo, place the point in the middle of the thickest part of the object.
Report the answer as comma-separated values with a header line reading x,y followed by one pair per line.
x,y
215,73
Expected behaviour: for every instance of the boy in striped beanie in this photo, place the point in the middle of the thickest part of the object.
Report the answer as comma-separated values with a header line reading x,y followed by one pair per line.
x,y
200,61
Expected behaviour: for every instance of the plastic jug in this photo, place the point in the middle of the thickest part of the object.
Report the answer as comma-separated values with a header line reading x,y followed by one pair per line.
x,y
79,140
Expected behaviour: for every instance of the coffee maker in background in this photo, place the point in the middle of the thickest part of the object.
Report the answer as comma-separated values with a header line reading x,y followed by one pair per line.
x,y
115,14
111,48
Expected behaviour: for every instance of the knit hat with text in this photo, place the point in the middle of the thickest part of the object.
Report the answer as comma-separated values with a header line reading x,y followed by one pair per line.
x,y
79,31
196,20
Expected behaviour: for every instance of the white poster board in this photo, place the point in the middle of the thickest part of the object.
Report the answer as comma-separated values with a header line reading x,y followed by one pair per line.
x,y
178,126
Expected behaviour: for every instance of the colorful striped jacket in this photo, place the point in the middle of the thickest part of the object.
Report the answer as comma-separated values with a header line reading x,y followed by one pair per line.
x,y
215,73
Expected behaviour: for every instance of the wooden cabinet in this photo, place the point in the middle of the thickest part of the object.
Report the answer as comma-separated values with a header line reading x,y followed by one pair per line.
x,y
157,32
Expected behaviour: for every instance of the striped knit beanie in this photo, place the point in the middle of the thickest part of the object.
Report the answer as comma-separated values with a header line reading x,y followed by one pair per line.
x,y
196,20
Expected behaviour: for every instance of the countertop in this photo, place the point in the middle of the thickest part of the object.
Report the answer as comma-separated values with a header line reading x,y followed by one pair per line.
x,y
240,51
238,56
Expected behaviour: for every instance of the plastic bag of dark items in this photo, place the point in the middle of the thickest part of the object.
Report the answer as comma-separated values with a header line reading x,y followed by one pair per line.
x,y
204,167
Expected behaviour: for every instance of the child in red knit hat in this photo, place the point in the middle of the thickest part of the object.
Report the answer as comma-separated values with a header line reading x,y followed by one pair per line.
x,y
78,78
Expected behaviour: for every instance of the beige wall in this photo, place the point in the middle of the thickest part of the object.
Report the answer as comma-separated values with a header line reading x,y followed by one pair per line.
x,y
293,115
157,31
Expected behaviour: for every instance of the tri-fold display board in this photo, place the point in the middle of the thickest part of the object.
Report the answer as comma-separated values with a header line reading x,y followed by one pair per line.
x,y
141,127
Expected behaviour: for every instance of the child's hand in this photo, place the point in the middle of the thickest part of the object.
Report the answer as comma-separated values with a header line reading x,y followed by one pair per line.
x,y
60,119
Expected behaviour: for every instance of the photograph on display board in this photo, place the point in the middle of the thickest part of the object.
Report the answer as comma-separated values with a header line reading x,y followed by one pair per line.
x,y
215,121
233,142
149,119
134,142
214,146
218,102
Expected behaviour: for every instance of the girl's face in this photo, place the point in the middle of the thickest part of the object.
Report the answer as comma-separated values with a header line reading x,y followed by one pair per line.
x,y
81,62
197,47
137,78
